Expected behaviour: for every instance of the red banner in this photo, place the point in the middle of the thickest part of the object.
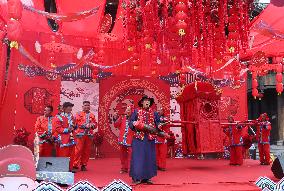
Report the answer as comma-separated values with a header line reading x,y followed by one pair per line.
x,y
117,93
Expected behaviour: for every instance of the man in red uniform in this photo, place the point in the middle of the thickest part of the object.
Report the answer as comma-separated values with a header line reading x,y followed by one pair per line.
x,y
263,134
63,127
43,128
161,142
234,132
124,139
86,124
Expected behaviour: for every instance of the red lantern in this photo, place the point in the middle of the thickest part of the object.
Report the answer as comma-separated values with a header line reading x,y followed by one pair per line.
x,y
279,77
180,7
279,68
14,30
254,75
278,59
182,1
279,88
180,16
181,25
15,9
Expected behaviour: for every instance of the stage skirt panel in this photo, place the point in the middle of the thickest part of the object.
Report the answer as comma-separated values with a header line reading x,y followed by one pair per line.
x,y
143,159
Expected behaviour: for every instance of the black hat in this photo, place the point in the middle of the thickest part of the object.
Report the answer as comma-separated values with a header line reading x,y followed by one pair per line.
x,y
140,103
67,104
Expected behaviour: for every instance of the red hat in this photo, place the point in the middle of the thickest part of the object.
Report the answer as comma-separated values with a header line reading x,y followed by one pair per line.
x,y
266,117
17,160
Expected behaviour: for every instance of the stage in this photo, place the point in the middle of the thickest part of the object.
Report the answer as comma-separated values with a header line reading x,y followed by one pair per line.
x,y
183,174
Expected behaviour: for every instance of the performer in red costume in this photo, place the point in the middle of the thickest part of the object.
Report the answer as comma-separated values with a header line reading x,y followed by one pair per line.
x,y
161,142
86,124
234,132
125,138
63,127
43,128
262,136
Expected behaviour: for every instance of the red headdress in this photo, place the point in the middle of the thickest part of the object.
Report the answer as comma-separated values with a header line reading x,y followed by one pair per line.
x,y
266,117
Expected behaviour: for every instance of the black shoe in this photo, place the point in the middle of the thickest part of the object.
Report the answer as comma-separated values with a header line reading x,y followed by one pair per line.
x,y
147,181
75,169
123,171
161,169
136,182
83,168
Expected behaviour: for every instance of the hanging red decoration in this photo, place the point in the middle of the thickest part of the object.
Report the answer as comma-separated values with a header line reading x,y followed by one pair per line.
x,y
2,35
14,30
181,17
279,77
279,88
15,9
254,93
254,83
180,7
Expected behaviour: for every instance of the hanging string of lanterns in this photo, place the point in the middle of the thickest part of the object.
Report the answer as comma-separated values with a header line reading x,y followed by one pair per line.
x,y
14,27
260,67
200,32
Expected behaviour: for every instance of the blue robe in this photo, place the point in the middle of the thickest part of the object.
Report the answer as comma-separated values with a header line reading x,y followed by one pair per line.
x,y
143,164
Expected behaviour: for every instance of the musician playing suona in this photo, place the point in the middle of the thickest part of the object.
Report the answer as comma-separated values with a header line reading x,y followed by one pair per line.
x,y
86,125
234,132
143,161
125,138
63,127
262,136
161,142
43,128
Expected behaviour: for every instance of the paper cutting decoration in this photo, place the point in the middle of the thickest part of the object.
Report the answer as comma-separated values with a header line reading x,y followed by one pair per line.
x,y
36,99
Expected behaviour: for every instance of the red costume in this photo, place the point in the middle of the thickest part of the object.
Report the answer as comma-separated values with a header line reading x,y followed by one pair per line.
x,y
161,143
43,128
84,135
234,132
125,140
61,125
262,135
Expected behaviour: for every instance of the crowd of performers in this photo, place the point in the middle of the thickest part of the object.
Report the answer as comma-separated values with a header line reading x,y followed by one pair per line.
x,y
241,135
143,138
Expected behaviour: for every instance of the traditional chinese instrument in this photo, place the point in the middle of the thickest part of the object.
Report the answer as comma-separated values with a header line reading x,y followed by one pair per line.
x,y
148,128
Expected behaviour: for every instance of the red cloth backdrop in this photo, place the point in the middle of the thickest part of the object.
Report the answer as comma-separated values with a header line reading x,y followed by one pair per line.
x,y
25,99
234,102
118,92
